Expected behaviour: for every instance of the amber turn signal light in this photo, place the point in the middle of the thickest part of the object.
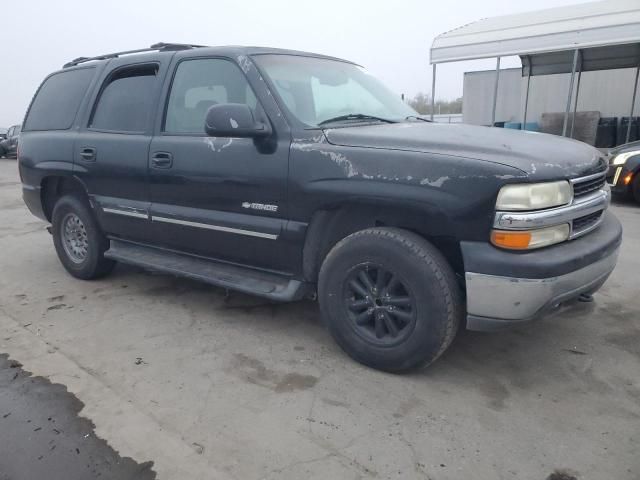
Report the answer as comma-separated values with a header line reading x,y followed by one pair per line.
x,y
627,179
511,239
529,239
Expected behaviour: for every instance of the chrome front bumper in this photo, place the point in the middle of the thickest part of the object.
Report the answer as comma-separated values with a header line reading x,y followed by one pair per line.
x,y
504,288
501,301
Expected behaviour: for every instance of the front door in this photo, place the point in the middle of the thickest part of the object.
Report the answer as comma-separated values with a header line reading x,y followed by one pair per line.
x,y
223,198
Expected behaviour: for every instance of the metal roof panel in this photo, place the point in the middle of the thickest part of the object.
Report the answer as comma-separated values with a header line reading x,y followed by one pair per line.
x,y
594,24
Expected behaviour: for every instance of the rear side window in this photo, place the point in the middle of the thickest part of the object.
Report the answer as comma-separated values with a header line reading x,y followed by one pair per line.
x,y
125,102
57,101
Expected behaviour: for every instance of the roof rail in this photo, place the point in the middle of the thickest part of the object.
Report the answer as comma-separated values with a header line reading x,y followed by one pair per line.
x,y
156,47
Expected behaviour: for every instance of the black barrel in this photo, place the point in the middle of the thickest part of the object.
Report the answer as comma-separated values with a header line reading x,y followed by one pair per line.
x,y
622,130
606,135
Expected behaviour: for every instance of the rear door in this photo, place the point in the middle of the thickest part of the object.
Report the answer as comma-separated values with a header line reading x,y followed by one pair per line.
x,y
223,198
111,151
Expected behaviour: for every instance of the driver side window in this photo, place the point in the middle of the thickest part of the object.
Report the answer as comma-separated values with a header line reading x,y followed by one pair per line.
x,y
197,85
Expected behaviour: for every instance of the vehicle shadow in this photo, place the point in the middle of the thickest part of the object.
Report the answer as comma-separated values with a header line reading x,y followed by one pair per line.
x,y
525,358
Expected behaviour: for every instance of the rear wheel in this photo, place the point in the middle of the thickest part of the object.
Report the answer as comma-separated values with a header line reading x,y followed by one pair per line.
x,y
78,240
389,298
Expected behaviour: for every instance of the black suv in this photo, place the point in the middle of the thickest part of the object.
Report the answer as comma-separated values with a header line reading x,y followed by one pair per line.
x,y
624,170
287,175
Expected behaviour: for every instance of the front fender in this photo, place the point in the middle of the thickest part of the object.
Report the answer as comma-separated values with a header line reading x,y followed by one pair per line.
x,y
452,196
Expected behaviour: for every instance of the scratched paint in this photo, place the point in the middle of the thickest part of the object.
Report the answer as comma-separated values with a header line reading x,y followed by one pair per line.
x,y
338,158
214,145
434,183
245,63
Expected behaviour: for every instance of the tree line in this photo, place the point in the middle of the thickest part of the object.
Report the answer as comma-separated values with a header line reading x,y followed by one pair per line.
x,y
421,103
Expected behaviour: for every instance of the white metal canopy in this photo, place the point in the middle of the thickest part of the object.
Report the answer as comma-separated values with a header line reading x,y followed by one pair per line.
x,y
589,36
587,25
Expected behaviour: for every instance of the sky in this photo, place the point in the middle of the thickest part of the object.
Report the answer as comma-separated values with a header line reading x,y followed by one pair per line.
x,y
391,38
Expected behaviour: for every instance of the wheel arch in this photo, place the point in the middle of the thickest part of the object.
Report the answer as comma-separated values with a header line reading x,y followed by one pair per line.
x,y
53,187
329,225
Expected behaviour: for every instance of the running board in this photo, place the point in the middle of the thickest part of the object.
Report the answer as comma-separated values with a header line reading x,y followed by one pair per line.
x,y
246,280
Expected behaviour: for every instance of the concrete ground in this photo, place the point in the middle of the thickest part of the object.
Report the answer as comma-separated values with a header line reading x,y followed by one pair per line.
x,y
43,436
208,387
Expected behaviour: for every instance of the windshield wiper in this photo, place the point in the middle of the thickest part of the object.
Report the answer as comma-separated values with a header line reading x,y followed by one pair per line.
x,y
418,118
355,116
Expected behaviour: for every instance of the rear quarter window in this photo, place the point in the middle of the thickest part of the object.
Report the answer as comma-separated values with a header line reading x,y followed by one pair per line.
x,y
58,99
126,100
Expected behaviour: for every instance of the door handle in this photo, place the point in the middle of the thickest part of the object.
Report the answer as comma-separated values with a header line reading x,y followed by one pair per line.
x,y
88,154
161,160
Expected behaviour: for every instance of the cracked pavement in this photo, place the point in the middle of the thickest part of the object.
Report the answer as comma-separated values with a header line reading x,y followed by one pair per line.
x,y
207,386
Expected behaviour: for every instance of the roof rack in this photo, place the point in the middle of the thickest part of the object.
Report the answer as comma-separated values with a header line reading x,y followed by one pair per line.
x,y
156,47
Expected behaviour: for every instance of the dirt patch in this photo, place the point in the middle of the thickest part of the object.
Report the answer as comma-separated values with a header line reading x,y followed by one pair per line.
x,y
628,341
563,475
254,371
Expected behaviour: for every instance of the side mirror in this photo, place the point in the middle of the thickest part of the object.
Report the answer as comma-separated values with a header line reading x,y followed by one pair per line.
x,y
234,120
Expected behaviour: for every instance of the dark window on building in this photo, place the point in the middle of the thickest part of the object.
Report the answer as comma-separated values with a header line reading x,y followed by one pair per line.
x,y
125,102
57,101
199,84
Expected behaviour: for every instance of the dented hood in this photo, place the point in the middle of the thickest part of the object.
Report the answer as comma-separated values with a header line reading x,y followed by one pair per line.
x,y
541,156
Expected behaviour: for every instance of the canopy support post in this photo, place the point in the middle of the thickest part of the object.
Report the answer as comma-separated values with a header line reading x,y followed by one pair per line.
x,y
573,75
575,101
433,91
633,104
495,92
526,96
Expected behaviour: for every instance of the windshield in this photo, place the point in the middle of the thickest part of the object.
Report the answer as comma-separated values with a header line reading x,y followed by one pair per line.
x,y
321,91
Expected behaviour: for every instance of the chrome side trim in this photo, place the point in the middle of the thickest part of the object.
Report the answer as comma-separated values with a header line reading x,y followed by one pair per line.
x,y
525,298
555,216
218,228
126,213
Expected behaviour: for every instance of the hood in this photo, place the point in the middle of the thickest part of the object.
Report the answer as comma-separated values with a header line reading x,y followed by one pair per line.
x,y
626,147
541,156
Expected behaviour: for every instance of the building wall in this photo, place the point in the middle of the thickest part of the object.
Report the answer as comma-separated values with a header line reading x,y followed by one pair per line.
x,y
477,96
608,92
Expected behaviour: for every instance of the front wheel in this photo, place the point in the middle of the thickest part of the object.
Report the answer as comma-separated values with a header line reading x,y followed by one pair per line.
x,y
79,242
389,298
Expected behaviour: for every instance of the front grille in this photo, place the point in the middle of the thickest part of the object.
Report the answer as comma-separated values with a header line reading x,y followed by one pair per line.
x,y
585,187
583,223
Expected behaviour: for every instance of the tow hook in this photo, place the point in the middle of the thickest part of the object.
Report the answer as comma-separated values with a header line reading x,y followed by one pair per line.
x,y
50,229
585,297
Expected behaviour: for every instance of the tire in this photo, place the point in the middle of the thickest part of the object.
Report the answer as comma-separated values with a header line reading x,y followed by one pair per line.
x,y
412,283
83,254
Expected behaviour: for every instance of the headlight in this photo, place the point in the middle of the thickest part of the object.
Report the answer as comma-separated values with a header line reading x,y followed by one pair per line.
x,y
530,239
534,196
622,158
